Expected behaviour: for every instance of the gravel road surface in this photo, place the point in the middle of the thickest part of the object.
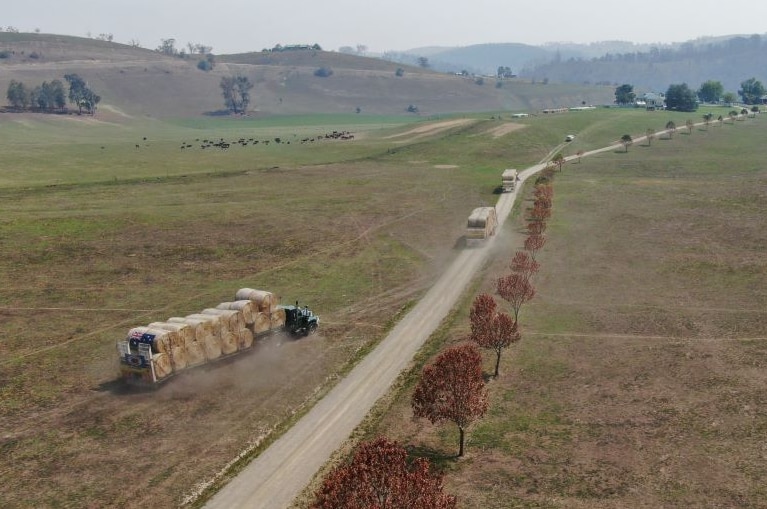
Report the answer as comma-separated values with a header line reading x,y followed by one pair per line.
x,y
279,474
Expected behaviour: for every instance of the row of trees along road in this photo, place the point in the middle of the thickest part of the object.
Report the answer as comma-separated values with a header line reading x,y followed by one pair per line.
x,y
451,388
50,96
680,97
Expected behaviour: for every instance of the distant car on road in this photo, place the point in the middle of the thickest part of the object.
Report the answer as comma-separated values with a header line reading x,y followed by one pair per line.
x,y
570,137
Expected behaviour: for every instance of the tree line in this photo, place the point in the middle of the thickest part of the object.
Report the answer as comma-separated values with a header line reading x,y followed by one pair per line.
x,y
680,97
450,389
51,96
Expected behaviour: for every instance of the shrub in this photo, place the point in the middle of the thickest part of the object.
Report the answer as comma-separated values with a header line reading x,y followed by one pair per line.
x,y
323,72
399,72
412,109
204,65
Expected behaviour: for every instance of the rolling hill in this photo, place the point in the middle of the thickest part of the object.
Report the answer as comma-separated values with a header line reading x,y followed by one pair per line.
x,y
140,83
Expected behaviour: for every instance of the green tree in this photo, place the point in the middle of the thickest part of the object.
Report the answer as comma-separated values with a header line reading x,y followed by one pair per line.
x,y
681,98
81,95
18,94
751,91
423,62
707,119
167,47
624,94
559,160
626,140
729,97
236,92
710,91
650,134
671,128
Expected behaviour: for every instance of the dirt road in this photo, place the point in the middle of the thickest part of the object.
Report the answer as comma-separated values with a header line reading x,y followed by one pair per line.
x,y
274,478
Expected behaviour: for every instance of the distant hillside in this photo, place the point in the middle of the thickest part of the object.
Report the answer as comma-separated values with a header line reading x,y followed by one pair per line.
x,y
729,60
140,83
478,58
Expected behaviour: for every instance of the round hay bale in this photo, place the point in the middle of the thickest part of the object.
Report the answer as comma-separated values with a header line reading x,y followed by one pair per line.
x,y
228,342
201,328
212,348
247,307
266,301
184,332
262,323
233,318
216,322
244,338
179,357
195,355
162,365
159,339
278,317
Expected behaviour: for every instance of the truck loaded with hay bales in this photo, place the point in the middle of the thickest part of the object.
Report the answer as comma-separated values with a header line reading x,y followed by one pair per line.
x,y
509,179
153,353
481,225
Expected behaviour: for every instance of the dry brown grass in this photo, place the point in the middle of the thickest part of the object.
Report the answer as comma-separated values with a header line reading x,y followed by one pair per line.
x,y
639,381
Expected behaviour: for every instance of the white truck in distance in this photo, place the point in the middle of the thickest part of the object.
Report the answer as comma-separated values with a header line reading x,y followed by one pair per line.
x,y
509,180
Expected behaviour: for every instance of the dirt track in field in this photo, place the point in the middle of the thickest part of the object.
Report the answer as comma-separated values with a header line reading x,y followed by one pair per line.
x,y
280,473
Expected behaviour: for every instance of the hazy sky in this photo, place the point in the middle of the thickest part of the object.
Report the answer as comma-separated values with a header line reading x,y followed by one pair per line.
x,y
240,25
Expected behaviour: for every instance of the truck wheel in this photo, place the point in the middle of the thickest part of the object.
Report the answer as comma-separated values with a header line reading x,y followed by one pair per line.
x,y
312,328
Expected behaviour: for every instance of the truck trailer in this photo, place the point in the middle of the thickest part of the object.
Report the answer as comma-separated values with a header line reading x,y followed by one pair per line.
x,y
481,225
509,179
152,354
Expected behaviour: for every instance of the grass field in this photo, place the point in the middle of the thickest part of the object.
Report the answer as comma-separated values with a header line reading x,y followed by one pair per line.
x,y
639,381
96,240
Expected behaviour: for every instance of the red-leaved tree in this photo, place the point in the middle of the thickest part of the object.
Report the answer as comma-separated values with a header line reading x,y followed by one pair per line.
x,y
481,315
536,228
516,289
491,329
524,264
379,477
452,389
539,213
533,243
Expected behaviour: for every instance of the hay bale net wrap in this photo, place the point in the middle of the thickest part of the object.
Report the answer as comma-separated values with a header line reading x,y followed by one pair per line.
x,y
229,342
162,365
180,357
483,217
248,308
263,323
278,317
195,355
233,319
244,338
211,346
216,322
161,340
266,301
184,331
200,328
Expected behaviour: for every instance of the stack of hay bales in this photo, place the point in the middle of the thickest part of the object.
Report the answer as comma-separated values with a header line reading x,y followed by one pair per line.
x,y
162,344
181,342
268,315
482,223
